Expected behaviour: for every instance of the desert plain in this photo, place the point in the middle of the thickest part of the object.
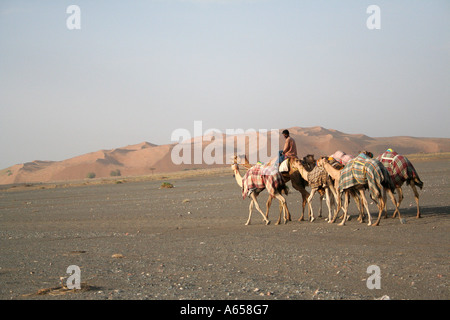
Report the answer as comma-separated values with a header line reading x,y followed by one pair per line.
x,y
133,240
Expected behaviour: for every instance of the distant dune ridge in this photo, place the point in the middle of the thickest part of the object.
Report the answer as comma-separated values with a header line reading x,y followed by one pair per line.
x,y
147,158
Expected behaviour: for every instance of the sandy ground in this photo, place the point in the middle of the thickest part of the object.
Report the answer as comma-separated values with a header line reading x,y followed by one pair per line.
x,y
136,241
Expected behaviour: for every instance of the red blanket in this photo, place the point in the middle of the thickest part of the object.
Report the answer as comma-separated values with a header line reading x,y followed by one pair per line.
x,y
262,177
399,167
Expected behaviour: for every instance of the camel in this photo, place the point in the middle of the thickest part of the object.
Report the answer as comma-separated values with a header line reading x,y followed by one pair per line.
x,y
298,183
360,173
335,175
247,165
401,170
254,194
309,163
310,177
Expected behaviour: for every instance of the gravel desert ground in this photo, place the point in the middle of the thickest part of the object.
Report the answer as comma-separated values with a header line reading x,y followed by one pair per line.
x,y
134,240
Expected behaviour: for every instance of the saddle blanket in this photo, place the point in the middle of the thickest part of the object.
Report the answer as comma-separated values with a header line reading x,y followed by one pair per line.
x,y
399,167
318,177
363,170
262,177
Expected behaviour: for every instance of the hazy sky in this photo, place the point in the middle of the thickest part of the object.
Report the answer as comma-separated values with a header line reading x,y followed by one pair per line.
x,y
138,70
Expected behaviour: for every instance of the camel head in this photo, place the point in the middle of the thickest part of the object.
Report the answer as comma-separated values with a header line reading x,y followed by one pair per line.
x,y
308,162
234,165
309,158
234,162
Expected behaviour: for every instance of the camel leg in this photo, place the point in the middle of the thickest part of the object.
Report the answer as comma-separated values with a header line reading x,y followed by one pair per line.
x,y
344,208
253,197
334,202
361,209
320,207
359,205
416,197
332,205
268,205
311,213
400,199
394,202
283,207
305,195
250,208
328,200
287,213
337,196
339,206
380,205
365,204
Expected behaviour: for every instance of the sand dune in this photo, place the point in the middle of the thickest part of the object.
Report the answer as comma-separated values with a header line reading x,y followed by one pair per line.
x,y
147,158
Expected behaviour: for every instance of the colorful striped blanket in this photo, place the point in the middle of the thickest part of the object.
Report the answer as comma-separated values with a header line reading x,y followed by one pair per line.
x,y
262,177
399,167
363,170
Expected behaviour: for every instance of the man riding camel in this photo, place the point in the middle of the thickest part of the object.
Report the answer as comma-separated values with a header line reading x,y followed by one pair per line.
x,y
290,148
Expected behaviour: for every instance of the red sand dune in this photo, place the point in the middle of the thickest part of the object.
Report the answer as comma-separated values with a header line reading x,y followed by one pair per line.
x,y
146,158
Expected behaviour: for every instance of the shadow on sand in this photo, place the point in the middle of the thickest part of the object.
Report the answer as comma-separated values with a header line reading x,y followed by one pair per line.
x,y
411,212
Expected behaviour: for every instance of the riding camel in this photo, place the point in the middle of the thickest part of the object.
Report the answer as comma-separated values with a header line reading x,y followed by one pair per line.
x,y
401,170
299,183
256,179
317,179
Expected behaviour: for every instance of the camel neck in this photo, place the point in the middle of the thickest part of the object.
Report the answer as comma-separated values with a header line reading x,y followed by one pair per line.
x,y
237,176
303,172
329,168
